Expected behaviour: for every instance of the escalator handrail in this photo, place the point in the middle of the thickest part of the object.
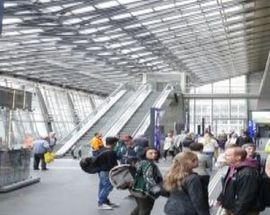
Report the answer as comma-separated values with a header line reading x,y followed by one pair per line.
x,y
116,128
140,130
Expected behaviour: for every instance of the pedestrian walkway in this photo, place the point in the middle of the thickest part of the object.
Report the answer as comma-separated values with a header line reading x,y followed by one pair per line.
x,y
66,190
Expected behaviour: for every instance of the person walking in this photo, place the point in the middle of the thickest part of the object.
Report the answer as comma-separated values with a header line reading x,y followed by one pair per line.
x,y
186,193
146,183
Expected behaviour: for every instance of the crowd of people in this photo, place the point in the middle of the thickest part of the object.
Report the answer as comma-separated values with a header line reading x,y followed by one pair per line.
x,y
185,185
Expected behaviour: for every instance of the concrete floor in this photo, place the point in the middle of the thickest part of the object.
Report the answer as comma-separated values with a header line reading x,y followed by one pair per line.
x,y
66,190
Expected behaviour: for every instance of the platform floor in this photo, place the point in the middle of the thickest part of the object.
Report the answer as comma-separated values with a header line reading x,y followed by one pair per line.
x,y
66,190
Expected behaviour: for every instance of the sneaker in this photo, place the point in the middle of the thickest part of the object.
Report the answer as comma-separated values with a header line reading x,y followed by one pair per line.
x,y
114,205
105,207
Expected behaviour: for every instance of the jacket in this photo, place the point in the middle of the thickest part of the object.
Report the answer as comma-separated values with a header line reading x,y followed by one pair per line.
x,y
189,200
240,188
40,146
147,179
106,160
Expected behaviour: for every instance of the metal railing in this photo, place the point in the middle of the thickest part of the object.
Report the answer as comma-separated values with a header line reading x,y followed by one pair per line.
x,y
142,127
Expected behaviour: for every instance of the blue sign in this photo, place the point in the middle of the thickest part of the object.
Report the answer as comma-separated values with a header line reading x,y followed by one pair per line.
x,y
157,132
1,14
252,128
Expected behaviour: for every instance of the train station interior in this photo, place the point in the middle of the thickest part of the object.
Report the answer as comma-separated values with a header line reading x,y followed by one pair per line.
x,y
115,67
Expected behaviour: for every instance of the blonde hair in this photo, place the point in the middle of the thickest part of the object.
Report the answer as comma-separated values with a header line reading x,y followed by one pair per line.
x,y
180,168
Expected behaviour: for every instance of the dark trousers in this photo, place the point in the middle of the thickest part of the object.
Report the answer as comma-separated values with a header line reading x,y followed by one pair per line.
x,y
144,206
166,152
205,182
37,159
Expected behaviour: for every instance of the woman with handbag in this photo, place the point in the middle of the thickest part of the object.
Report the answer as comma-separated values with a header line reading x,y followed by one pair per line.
x,y
146,182
186,193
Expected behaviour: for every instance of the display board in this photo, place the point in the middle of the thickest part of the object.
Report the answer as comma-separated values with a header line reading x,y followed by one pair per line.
x,y
261,117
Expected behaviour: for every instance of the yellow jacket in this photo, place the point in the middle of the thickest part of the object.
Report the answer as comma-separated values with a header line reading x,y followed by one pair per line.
x,y
96,143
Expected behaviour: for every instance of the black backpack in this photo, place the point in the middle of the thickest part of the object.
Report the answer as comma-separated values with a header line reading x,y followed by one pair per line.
x,y
89,165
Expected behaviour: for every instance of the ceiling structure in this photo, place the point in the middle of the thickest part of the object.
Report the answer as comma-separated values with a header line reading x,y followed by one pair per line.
x,y
93,45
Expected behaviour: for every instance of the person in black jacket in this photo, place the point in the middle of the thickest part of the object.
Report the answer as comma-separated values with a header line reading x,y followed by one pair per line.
x,y
240,185
186,196
105,161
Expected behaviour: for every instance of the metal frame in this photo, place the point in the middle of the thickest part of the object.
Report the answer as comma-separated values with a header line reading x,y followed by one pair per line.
x,y
95,45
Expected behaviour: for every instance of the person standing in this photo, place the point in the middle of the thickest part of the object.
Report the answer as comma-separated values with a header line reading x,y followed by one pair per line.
x,y
146,183
169,145
126,153
52,139
96,143
186,193
40,147
240,185
202,170
105,161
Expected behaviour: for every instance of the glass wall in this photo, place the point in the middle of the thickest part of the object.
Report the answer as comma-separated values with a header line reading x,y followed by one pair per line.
x,y
60,110
219,114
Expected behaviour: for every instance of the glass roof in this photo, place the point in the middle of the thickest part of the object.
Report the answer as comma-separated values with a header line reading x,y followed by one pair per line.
x,y
95,45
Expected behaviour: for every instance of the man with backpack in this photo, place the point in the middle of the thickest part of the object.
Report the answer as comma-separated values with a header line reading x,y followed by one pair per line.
x,y
105,161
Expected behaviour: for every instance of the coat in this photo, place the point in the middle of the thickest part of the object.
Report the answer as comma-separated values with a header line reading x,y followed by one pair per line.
x,y
189,200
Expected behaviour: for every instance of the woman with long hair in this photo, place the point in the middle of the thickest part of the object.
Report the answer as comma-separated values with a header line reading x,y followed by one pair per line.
x,y
146,187
186,193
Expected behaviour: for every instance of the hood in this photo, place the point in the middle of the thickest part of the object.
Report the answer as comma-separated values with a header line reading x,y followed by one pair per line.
x,y
253,163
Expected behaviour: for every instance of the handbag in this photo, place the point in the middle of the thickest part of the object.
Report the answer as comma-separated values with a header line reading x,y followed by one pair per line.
x,y
49,157
267,147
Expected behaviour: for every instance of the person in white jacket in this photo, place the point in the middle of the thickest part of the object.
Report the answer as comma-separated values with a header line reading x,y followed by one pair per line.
x,y
168,145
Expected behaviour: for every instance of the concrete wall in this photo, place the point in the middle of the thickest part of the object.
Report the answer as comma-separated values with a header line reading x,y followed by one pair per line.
x,y
174,113
253,84
14,166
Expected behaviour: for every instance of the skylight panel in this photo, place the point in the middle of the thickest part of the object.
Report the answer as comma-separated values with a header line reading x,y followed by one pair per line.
x,y
31,31
234,18
164,7
133,26
84,9
121,16
102,39
99,21
52,9
141,12
108,4
233,9
88,31
10,4
169,18
8,21
127,1
152,22
72,21
11,33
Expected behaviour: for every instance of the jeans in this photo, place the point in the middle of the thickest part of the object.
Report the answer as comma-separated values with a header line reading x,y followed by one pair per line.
x,y
105,187
210,156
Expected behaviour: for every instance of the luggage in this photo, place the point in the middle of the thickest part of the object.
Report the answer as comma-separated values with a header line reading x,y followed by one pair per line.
x,y
122,176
